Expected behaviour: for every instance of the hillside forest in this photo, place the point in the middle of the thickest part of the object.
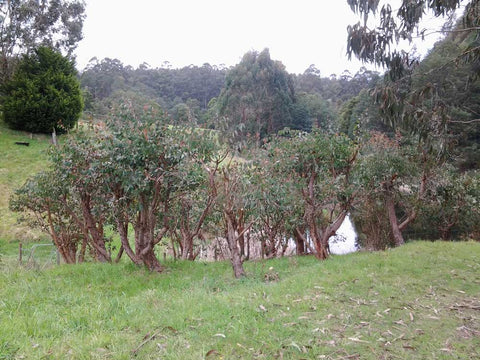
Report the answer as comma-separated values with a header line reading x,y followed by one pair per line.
x,y
248,160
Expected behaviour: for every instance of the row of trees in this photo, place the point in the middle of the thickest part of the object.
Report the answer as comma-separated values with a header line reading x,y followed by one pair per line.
x,y
312,150
180,187
198,94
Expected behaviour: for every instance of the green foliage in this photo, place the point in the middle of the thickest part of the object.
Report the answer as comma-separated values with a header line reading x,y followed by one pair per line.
x,y
445,101
451,210
317,167
46,199
321,113
43,95
437,98
259,99
176,90
376,44
26,25
391,172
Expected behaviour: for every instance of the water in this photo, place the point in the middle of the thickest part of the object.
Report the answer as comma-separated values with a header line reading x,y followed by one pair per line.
x,y
346,239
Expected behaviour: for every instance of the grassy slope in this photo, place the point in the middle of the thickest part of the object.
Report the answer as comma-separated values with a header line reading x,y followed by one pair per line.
x,y
420,301
17,163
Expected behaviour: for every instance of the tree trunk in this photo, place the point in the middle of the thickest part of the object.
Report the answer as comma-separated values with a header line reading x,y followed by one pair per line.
x,y
186,240
145,239
123,231
331,230
392,218
299,241
235,257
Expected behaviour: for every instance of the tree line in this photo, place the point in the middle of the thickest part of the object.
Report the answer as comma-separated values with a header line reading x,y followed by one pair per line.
x,y
254,155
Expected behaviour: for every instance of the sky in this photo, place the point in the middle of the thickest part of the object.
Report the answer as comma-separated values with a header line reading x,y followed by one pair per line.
x,y
298,33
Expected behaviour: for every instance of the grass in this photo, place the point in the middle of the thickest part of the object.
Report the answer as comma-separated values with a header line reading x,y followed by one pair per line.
x,y
420,301
17,163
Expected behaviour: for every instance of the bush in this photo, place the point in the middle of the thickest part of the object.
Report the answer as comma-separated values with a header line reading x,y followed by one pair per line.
x,y
43,94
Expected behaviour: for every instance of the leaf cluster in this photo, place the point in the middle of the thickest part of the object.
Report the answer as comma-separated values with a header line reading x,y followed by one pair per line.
x,y
43,95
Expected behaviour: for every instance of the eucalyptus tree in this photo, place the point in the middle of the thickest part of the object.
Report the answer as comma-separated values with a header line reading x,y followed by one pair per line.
x,y
376,44
41,203
319,169
192,207
450,210
411,97
395,178
25,25
259,98
68,201
234,210
143,168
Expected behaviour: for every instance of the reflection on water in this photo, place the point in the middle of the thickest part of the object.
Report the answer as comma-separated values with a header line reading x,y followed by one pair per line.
x,y
346,239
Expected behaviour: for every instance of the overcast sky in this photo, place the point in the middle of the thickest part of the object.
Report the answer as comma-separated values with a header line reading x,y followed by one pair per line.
x,y
183,32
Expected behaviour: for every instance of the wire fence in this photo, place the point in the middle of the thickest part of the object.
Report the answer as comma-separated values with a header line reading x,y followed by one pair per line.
x,y
38,256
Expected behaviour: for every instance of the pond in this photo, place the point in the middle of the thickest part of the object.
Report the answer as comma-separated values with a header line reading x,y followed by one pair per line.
x,y
346,239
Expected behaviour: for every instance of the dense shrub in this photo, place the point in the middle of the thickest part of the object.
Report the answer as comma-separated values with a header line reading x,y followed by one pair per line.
x,y
44,94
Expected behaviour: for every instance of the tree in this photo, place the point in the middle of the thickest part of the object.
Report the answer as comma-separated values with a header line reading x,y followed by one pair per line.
x,y
27,24
38,200
259,99
394,179
44,94
193,206
376,44
234,210
275,204
406,99
318,166
450,210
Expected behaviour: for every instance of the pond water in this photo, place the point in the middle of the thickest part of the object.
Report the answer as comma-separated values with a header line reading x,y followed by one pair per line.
x,y
346,239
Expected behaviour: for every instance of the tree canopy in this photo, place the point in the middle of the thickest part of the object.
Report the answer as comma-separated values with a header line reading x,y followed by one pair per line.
x,y
44,93
259,98
26,25
376,44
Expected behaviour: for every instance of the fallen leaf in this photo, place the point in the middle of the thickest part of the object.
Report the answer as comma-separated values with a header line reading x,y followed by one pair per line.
x,y
212,352
296,346
220,335
358,340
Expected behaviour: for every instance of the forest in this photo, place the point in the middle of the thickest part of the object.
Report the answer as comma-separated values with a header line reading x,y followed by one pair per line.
x,y
248,161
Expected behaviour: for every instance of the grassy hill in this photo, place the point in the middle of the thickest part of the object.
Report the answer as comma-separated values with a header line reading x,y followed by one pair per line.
x,y
17,163
420,301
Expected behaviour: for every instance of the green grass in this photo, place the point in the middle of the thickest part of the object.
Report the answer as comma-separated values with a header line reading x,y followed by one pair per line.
x,y
17,163
420,301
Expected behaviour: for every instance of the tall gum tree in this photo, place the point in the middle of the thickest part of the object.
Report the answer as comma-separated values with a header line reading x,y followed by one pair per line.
x,y
259,98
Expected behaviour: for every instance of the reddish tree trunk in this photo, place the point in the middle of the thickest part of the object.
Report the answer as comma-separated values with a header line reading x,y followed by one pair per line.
x,y
235,257
392,218
300,241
